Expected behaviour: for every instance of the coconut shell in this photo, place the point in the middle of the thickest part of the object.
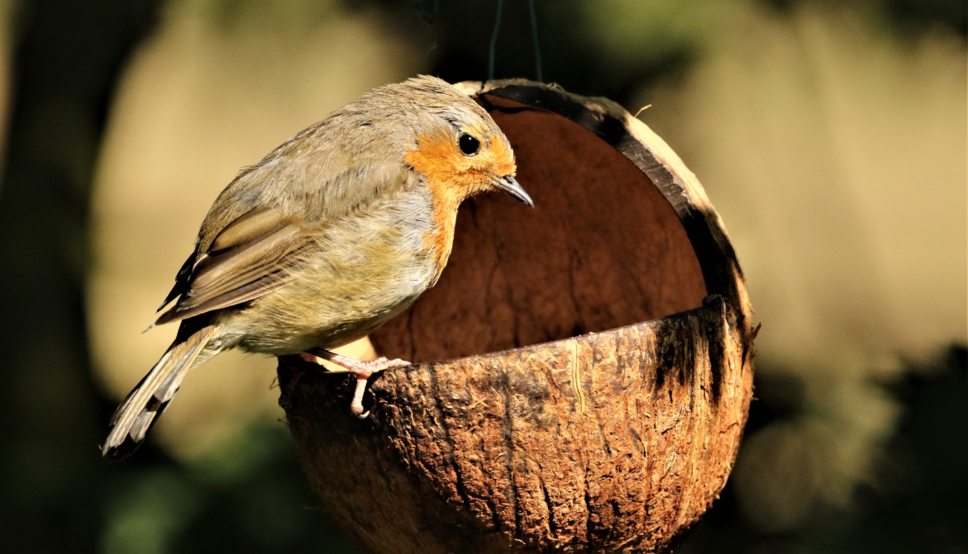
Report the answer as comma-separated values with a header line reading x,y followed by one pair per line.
x,y
582,371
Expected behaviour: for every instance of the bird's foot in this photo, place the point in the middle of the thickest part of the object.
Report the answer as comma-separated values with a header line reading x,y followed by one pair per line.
x,y
362,370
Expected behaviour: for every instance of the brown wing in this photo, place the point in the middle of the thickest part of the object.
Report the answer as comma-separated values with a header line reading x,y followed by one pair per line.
x,y
249,258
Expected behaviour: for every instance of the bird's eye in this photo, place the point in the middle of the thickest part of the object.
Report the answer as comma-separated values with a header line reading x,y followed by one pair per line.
x,y
469,145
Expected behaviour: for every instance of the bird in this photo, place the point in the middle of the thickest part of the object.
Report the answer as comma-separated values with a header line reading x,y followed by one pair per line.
x,y
325,239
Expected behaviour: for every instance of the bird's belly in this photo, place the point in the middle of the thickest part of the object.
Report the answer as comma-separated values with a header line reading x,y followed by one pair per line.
x,y
327,307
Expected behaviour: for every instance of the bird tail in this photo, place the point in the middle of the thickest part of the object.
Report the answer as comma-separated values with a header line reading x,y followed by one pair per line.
x,y
151,396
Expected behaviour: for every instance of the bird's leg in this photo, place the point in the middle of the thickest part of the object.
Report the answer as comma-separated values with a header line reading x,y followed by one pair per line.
x,y
362,370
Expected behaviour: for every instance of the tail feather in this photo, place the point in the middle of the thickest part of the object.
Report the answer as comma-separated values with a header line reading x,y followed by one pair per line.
x,y
152,395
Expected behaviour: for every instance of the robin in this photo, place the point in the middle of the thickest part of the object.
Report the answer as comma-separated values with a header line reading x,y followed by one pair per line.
x,y
329,236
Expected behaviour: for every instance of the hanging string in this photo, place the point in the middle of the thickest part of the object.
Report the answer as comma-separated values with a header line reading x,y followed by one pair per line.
x,y
497,27
534,37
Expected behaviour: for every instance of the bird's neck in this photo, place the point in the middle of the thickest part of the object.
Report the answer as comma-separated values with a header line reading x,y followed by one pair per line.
x,y
440,239
447,188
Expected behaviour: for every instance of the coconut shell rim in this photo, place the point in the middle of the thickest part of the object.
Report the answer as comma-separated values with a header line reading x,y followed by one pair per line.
x,y
708,306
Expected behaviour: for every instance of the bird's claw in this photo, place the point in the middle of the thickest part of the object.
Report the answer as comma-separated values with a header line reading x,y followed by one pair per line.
x,y
362,370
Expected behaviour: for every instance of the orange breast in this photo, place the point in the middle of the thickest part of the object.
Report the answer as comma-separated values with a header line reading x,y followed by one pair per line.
x,y
452,177
443,169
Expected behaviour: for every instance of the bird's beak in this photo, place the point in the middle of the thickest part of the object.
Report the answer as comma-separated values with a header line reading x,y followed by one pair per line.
x,y
512,187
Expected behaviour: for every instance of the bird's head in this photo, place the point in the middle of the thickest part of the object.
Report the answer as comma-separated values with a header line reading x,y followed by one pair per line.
x,y
457,147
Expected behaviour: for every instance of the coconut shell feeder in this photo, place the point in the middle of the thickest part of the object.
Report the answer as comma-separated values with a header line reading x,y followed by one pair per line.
x,y
582,371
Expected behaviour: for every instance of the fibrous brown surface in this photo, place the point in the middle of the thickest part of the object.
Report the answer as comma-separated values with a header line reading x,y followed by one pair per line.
x,y
606,438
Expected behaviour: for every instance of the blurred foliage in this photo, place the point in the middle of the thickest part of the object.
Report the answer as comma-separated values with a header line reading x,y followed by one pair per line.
x,y
906,15
297,15
427,9
66,61
59,496
249,497
920,14
917,503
